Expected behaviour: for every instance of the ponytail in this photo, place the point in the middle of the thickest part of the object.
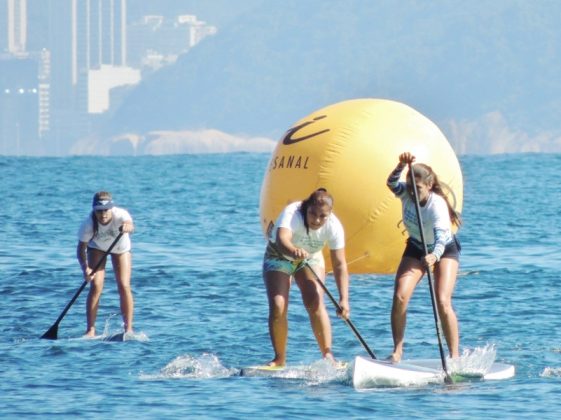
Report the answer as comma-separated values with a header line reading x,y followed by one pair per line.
x,y
424,173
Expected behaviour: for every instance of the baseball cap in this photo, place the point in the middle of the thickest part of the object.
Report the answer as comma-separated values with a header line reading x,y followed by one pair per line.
x,y
102,201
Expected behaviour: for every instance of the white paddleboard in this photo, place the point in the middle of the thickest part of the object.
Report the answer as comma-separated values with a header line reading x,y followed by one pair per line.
x,y
368,373
111,337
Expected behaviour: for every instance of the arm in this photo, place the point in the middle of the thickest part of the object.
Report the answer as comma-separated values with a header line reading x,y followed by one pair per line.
x,y
82,256
124,217
440,243
341,274
127,227
393,180
442,233
286,247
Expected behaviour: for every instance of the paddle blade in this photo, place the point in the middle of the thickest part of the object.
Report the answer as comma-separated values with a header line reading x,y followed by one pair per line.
x,y
51,333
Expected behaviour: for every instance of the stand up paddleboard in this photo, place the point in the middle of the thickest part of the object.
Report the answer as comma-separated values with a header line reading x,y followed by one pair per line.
x,y
116,337
262,370
290,372
369,373
111,337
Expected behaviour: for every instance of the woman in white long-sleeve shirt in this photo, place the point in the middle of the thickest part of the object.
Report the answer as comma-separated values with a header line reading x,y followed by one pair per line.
x,y
443,251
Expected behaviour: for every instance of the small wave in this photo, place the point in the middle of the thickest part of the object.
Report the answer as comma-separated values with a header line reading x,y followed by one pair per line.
x,y
475,361
137,336
205,366
551,372
130,336
323,371
114,327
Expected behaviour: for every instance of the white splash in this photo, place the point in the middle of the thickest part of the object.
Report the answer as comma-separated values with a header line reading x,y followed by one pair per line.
x,y
204,366
109,330
551,372
473,362
323,371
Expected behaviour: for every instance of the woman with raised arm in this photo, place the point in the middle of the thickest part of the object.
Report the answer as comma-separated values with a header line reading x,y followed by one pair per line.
x,y
443,251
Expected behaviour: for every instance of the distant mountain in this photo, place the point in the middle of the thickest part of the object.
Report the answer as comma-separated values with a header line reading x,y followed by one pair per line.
x,y
478,69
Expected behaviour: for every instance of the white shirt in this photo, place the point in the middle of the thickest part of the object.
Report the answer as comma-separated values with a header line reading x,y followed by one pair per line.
x,y
106,234
331,232
436,221
437,226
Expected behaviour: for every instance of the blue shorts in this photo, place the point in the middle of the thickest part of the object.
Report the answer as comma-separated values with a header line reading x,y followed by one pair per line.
x,y
452,250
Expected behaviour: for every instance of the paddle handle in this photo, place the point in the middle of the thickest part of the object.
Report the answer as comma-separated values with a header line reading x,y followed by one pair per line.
x,y
338,307
429,276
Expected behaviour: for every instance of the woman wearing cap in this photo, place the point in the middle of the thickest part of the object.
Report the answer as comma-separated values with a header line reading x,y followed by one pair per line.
x,y
299,235
96,234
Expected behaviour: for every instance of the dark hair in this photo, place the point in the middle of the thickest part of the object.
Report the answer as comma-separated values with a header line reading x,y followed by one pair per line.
x,y
319,197
95,223
424,173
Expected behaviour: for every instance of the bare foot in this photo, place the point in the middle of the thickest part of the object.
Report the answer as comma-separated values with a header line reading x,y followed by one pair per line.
x,y
337,364
276,363
90,333
394,358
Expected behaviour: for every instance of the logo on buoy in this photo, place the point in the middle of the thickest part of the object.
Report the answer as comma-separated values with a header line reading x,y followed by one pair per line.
x,y
288,138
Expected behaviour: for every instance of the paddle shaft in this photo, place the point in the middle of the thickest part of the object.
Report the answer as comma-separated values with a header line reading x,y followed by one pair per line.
x,y
338,307
429,276
52,332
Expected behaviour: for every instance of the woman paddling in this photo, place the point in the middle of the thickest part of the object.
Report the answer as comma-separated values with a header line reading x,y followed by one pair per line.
x,y
444,250
96,234
298,237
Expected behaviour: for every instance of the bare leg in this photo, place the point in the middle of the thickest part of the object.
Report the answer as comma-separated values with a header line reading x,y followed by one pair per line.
x,y
408,275
445,281
312,296
122,266
94,294
278,287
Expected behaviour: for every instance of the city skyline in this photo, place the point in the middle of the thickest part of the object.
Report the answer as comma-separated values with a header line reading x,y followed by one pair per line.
x,y
82,67
218,70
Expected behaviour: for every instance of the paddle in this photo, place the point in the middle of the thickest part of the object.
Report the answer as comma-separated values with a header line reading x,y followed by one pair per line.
x,y
448,378
348,321
52,332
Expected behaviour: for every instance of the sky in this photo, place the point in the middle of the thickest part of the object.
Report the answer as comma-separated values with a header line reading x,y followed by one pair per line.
x,y
485,72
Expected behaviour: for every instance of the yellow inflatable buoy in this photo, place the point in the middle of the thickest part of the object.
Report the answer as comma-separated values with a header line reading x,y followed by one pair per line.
x,y
350,148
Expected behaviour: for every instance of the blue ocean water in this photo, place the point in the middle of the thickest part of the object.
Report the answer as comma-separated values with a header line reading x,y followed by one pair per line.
x,y
201,310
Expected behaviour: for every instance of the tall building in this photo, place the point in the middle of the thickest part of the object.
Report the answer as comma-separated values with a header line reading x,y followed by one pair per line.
x,y
102,27
85,36
18,105
200,30
16,25
155,41
64,110
44,92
